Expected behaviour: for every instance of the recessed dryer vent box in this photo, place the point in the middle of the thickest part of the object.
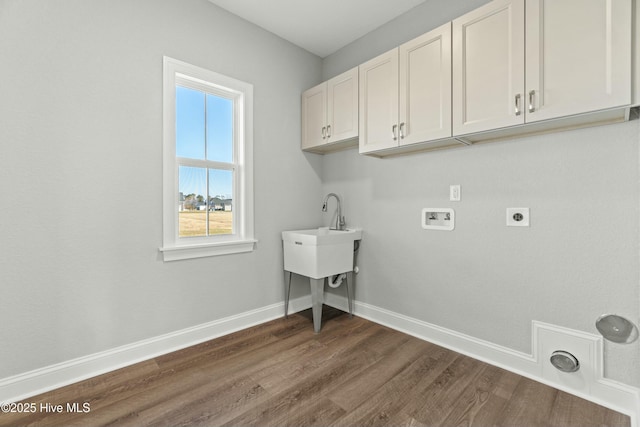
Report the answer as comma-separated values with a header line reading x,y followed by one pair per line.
x,y
438,219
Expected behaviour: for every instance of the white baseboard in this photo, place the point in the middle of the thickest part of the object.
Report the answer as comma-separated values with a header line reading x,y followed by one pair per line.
x,y
41,380
588,383
591,385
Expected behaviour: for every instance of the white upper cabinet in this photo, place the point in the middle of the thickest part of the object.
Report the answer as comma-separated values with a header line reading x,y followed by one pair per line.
x,y
508,68
314,116
405,94
578,55
379,102
488,67
425,87
330,112
342,107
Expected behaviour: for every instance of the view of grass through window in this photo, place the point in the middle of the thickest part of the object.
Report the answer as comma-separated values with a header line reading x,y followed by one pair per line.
x,y
204,149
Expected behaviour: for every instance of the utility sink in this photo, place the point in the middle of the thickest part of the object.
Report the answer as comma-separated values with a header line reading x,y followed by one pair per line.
x,y
319,252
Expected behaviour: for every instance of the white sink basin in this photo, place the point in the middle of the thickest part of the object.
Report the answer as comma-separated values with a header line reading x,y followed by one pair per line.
x,y
319,252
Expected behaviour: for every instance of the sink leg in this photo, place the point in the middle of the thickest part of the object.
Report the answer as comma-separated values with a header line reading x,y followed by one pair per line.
x,y
287,292
317,296
349,286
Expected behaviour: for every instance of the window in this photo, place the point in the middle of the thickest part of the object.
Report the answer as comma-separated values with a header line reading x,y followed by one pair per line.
x,y
208,171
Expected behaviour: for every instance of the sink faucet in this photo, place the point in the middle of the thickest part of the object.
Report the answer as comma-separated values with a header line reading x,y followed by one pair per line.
x,y
340,219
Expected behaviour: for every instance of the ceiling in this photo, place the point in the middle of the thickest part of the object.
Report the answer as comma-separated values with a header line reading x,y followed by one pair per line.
x,y
319,26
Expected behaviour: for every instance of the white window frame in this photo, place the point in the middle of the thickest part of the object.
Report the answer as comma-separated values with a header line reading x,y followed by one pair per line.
x,y
242,240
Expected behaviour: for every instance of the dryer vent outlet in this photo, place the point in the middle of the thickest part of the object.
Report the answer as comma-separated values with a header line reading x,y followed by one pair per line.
x,y
564,361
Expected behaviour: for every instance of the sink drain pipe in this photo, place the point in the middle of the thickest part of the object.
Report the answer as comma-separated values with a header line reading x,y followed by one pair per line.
x,y
336,280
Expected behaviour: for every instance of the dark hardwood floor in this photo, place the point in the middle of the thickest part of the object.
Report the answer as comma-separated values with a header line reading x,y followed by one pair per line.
x,y
354,373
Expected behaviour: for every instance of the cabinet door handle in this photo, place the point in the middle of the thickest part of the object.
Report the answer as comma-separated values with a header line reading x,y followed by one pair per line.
x,y
393,132
401,131
328,131
324,132
518,111
531,95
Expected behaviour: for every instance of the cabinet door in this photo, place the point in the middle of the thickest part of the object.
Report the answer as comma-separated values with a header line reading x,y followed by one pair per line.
x,y
578,56
342,109
379,102
488,67
425,87
314,116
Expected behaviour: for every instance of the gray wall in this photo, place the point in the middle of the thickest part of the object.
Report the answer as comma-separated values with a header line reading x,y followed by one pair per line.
x,y
578,260
81,173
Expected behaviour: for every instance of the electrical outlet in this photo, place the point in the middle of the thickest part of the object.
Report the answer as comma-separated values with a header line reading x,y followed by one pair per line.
x,y
517,217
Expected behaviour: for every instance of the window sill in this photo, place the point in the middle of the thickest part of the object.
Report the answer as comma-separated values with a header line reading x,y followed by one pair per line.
x,y
176,253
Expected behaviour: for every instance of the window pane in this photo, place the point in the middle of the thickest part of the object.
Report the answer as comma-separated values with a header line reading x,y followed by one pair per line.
x,y
192,209
219,129
190,130
220,201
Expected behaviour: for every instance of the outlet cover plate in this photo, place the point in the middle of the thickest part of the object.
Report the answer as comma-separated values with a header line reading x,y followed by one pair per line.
x,y
454,193
518,217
